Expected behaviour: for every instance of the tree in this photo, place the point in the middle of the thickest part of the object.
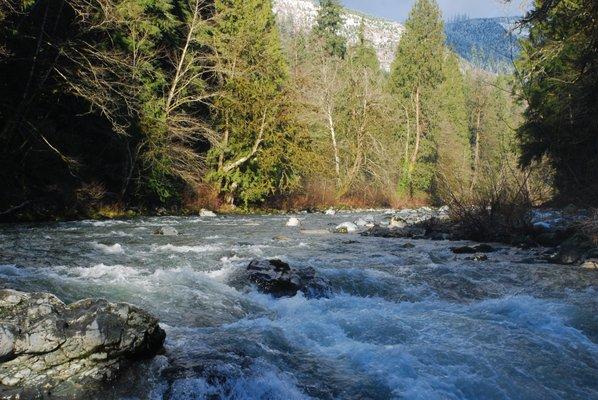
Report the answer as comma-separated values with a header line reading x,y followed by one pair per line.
x,y
558,70
252,157
416,73
329,24
454,151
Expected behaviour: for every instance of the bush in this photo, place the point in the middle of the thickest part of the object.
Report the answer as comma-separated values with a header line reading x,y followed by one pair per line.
x,y
496,209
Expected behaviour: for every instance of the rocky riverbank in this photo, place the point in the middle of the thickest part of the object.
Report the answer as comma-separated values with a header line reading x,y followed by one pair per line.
x,y
52,350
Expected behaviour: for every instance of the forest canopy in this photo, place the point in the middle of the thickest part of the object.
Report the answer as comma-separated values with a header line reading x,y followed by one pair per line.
x,y
182,104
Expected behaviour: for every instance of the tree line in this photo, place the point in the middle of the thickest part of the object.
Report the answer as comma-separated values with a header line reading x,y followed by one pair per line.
x,y
182,103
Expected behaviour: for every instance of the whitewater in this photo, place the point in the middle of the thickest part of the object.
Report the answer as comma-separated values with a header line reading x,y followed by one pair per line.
x,y
407,320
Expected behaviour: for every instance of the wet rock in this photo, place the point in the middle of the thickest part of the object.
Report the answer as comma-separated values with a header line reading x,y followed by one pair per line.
x,y
397,223
590,264
574,251
69,350
277,278
330,211
207,213
480,248
293,222
166,231
408,246
478,257
346,227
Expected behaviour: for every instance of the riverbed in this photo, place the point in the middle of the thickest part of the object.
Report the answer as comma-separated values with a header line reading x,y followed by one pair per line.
x,y
407,319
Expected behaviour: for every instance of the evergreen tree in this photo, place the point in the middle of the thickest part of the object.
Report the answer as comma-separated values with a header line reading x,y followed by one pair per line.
x,y
329,24
416,73
454,151
559,73
253,155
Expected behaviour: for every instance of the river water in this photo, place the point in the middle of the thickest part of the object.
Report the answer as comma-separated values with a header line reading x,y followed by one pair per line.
x,y
405,322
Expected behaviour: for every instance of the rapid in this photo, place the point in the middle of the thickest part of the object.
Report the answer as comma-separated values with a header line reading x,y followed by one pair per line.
x,y
408,319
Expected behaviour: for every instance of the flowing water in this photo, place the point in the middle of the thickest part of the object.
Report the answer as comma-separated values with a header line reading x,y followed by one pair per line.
x,y
405,322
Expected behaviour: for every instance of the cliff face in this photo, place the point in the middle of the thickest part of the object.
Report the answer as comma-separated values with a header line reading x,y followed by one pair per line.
x,y
300,16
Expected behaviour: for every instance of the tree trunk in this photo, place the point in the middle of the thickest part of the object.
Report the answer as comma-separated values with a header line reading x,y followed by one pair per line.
x,y
476,151
337,161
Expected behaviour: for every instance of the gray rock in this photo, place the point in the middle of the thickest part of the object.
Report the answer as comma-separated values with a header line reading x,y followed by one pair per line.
x,y
480,248
277,278
166,231
346,227
207,213
47,347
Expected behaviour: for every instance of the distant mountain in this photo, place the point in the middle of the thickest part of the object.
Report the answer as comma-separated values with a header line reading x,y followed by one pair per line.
x,y
300,16
487,43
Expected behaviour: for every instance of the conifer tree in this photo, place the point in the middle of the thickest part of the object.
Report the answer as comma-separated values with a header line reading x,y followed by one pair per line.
x,y
454,150
329,24
252,156
416,73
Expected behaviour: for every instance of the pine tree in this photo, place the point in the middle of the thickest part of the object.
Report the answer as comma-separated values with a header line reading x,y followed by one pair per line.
x,y
253,155
329,24
454,151
559,73
416,73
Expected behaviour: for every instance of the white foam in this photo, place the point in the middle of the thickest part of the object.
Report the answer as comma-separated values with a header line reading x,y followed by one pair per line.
x,y
102,271
186,249
107,249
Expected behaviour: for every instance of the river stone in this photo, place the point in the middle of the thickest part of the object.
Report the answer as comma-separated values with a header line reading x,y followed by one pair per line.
x,y
277,278
346,227
207,213
166,231
590,264
49,348
480,248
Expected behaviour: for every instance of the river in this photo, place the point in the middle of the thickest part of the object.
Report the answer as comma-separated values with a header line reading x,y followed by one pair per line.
x,y
408,319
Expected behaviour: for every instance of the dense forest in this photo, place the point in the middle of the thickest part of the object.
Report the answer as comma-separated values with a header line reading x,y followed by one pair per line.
x,y
114,105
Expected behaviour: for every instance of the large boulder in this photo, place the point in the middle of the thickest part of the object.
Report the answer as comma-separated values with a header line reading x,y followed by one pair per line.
x,y
346,227
52,350
277,278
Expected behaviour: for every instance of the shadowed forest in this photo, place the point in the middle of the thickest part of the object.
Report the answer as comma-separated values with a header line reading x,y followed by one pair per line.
x,y
109,107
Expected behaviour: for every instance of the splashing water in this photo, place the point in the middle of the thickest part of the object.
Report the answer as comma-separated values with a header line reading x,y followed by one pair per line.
x,y
404,322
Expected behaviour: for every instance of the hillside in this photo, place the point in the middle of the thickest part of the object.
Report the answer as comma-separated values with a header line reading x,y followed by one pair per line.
x,y
487,43
300,16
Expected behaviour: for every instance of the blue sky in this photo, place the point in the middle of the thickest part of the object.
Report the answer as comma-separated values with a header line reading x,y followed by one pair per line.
x,y
399,9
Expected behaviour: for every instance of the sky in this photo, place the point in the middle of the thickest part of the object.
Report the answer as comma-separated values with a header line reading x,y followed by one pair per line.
x,y
398,10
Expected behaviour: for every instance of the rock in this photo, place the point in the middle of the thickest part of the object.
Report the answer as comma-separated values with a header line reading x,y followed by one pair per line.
x,y
330,211
480,248
277,278
397,223
281,238
362,223
293,222
166,231
207,213
408,246
69,350
542,226
346,227
478,257
573,251
590,264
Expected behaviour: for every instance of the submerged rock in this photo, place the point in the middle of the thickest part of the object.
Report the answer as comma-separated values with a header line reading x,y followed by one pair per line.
x,y
277,278
166,231
480,248
346,227
47,347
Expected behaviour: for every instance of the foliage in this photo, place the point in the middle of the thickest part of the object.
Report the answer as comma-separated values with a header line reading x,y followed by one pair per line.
x,y
559,74
328,28
253,157
416,74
